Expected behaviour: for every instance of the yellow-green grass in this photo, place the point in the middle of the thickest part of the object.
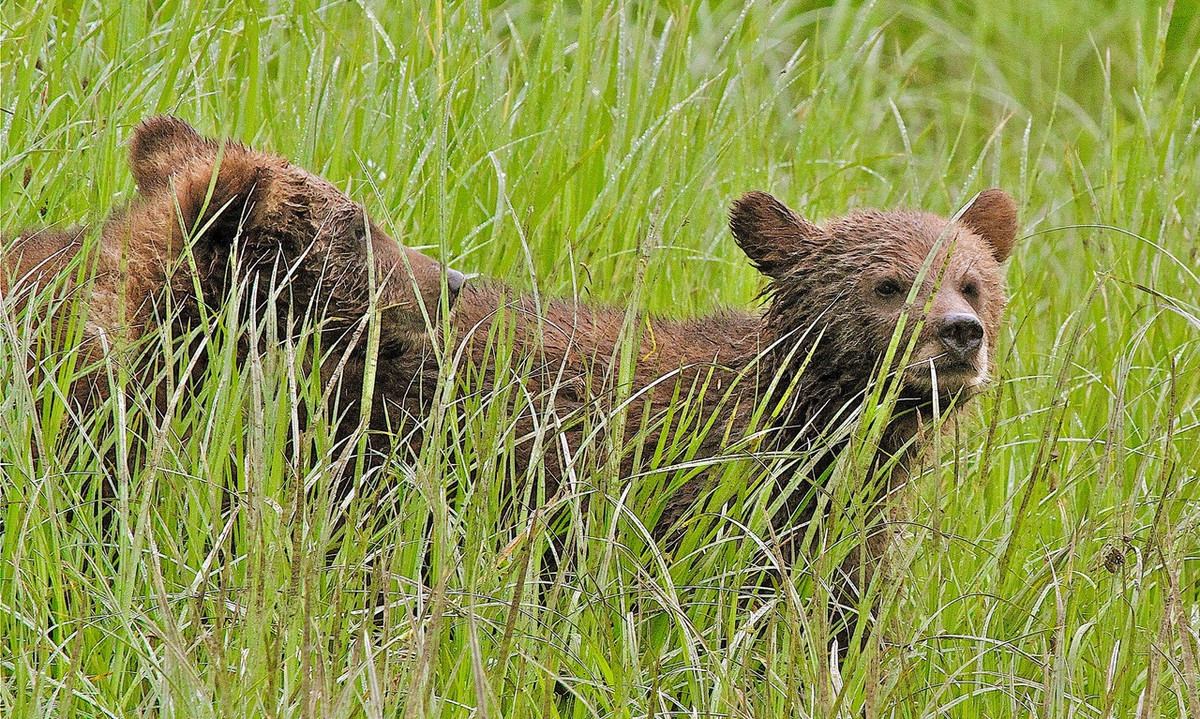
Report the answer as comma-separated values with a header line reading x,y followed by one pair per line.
x,y
1049,567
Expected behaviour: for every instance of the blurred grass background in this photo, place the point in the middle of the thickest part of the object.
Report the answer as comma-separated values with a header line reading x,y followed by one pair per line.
x,y
1050,565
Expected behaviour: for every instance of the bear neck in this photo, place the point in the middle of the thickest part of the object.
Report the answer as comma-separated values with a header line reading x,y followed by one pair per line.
x,y
823,385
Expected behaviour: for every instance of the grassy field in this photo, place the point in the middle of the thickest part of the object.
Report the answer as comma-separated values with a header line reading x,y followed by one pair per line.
x,y
1050,567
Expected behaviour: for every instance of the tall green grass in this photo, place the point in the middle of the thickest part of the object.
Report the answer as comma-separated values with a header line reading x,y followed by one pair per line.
x,y
1048,557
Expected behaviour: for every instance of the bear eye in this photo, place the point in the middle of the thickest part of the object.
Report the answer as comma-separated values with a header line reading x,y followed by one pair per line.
x,y
359,224
888,288
360,230
971,290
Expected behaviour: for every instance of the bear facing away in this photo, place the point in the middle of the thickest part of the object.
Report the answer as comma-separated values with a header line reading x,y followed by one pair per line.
x,y
836,295
212,213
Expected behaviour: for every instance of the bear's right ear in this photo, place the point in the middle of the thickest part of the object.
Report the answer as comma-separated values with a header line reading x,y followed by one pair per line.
x,y
160,147
768,232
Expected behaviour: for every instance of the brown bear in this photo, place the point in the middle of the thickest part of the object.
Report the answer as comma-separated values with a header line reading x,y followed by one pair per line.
x,y
212,213
788,377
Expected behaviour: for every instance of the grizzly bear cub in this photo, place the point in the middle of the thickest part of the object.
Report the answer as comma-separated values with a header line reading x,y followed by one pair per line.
x,y
209,214
836,296
786,378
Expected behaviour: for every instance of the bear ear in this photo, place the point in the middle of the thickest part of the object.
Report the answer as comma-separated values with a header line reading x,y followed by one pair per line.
x,y
993,216
160,147
768,232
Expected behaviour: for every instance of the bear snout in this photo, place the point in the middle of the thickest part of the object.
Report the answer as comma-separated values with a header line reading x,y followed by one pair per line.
x,y
961,334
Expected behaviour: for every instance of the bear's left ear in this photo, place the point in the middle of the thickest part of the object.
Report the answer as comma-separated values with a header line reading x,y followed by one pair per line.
x,y
768,232
160,147
993,216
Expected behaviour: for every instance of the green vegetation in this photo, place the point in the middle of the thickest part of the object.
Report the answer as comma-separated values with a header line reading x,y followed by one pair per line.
x,y
1050,565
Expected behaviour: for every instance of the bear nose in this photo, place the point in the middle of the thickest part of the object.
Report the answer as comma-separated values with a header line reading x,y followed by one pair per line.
x,y
961,334
455,280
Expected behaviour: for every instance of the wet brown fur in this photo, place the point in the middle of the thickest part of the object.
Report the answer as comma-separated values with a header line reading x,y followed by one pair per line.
x,y
824,311
291,232
820,289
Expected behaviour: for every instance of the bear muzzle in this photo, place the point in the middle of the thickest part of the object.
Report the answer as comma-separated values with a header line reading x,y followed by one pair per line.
x,y
454,282
952,356
961,335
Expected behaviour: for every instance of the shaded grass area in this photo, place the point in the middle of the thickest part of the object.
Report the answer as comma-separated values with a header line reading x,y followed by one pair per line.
x,y
1048,562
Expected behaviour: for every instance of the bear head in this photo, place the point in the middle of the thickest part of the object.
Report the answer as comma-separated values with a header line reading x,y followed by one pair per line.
x,y
298,240
842,290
